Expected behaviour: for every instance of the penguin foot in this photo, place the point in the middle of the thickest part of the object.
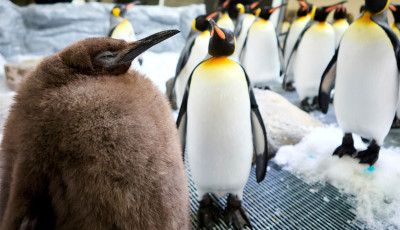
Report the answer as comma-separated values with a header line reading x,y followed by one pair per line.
x,y
369,156
347,147
289,87
235,215
315,105
304,105
207,214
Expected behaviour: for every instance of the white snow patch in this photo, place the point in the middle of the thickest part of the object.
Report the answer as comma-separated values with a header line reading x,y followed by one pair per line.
x,y
374,190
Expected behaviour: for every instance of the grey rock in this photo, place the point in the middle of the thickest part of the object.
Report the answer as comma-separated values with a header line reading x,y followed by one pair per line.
x,y
286,124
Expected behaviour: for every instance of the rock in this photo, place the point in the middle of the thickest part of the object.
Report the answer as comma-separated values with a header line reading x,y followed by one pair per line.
x,y
285,123
17,71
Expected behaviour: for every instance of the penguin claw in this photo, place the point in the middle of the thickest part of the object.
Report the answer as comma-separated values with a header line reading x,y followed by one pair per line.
x,y
207,214
368,157
235,215
237,218
344,150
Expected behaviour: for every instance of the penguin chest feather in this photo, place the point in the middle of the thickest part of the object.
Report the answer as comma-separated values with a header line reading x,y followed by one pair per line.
x,y
314,53
261,59
366,90
124,31
197,54
219,138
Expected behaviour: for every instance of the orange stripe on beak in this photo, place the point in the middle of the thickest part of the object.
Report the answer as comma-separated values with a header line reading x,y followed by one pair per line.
x,y
130,6
213,15
275,8
331,8
254,5
219,32
392,8
225,3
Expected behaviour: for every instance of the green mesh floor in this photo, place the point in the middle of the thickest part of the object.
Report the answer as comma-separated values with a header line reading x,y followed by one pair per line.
x,y
282,201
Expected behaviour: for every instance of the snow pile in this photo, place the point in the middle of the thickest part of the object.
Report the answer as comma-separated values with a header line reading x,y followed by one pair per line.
x,y
374,191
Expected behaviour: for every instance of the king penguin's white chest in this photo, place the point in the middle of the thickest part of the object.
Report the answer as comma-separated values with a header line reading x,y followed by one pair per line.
x,y
316,49
219,138
261,58
366,88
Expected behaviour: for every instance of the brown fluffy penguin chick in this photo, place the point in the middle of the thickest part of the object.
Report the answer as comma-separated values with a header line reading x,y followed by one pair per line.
x,y
88,145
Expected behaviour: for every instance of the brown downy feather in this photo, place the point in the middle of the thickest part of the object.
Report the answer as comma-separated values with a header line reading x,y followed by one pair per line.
x,y
91,147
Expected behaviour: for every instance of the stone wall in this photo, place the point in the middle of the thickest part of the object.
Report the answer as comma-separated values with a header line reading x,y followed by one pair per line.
x,y
41,30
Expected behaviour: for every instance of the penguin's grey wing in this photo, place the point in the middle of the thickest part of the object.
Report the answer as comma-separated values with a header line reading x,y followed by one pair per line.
x,y
259,135
281,60
392,36
181,122
286,37
238,26
294,51
327,83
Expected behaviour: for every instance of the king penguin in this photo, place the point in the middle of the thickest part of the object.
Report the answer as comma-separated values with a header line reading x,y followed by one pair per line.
x,y
243,23
78,148
121,28
193,53
224,20
395,27
304,16
262,55
365,72
340,23
219,124
313,50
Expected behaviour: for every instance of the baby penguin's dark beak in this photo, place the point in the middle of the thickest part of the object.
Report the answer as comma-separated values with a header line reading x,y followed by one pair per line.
x,y
134,49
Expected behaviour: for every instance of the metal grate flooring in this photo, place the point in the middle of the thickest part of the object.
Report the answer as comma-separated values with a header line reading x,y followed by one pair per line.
x,y
283,201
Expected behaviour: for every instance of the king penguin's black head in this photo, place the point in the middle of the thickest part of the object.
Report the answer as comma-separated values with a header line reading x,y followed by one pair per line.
x,y
222,41
305,8
266,12
340,13
201,24
396,12
376,6
322,12
120,10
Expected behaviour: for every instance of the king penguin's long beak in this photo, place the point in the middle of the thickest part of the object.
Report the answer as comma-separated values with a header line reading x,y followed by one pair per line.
x,y
276,8
215,28
136,48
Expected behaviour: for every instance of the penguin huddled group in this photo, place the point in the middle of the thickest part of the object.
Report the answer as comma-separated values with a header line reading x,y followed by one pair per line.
x,y
218,106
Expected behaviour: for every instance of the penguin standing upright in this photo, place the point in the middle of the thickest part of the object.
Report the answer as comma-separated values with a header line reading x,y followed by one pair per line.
x,y
243,23
304,16
225,21
340,23
262,55
192,54
313,50
121,28
395,27
219,124
78,150
365,72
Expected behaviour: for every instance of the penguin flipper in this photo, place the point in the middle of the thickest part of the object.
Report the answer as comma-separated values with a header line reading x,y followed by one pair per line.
x,y
327,83
259,135
183,58
281,60
181,122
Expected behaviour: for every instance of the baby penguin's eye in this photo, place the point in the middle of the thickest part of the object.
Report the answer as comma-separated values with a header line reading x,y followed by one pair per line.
x,y
107,54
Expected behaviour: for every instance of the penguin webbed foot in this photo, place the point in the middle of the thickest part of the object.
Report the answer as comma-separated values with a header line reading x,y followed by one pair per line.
x,y
289,87
235,215
315,104
208,213
305,106
370,155
347,147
